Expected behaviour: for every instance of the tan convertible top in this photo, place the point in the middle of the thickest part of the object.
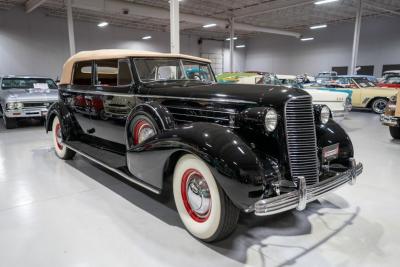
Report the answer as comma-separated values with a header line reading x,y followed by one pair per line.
x,y
66,75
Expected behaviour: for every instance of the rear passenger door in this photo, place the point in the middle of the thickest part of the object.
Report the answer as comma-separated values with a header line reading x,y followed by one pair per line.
x,y
112,98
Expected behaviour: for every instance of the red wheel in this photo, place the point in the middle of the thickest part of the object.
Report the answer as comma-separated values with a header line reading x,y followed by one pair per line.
x,y
62,151
143,129
196,195
205,210
58,136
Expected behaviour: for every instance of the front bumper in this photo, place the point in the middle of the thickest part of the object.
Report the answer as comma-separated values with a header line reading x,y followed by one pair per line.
x,y
300,197
26,113
390,120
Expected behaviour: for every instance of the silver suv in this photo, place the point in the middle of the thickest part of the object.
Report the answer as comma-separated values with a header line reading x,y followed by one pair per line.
x,y
25,97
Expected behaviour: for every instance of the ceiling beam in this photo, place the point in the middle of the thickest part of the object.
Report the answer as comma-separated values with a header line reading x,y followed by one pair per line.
x,y
382,8
31,5
269,7
132,9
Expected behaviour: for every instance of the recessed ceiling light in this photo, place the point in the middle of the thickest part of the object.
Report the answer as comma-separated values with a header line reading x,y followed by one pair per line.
x,y
103,24
146,37
318,26
324,2
240,46
209,25
307,39
228,39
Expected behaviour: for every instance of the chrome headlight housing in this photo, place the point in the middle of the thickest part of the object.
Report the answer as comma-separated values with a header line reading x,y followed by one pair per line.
x,y
325,114
19,105
11,105
271,120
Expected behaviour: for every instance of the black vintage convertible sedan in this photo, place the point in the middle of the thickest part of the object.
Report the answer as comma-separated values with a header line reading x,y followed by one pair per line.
x,y
162,122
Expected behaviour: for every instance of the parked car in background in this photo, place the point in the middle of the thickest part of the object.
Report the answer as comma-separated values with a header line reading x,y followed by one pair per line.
x,y
390,73
217,149
24,97
391,117
390,82
325,76
338,102
366,94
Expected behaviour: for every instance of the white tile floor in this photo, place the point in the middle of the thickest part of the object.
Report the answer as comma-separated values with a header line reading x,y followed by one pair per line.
x,y
56,213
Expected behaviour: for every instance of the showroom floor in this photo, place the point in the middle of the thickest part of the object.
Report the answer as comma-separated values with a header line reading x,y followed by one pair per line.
x,y
56,213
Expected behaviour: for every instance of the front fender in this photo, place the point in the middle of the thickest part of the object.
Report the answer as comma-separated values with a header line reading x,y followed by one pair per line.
x,y
237,169
332,133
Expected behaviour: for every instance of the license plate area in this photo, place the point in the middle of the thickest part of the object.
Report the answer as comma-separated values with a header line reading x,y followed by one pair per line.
x,y
330,153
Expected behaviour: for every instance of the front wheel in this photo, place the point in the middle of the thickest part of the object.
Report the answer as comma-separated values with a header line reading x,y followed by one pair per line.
x,y
395,132
62,151
378,105
204,208
9,123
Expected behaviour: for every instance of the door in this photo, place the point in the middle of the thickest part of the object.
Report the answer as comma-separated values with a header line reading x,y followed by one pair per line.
x,y
112,99
78,98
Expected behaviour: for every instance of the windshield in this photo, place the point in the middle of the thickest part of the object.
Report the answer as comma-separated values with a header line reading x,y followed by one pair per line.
x,y
393,80
28,83
364,82
154,70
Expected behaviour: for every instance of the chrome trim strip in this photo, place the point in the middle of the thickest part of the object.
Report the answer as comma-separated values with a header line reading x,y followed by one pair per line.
x,y
200,99
296,199
205,110
159,96
199,116
120,173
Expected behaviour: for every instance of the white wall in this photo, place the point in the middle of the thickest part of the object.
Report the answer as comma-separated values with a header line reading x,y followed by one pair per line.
x,y
379,44
35,44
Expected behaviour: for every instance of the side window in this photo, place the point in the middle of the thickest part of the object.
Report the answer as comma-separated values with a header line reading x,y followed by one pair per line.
x,y
124,72
107,72
83,73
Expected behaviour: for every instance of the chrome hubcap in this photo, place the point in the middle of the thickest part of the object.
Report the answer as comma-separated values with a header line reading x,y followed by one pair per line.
x,y
198,195
379,106
145,133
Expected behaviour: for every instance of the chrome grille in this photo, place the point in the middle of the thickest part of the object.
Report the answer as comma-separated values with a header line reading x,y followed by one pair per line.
x,y
301,139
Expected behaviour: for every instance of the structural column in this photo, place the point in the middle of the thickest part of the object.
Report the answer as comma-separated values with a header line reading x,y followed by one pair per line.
x,y
231,43
71,33
174,27
356,39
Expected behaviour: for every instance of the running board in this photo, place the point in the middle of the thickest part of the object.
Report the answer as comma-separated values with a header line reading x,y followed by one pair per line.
x,y
121,173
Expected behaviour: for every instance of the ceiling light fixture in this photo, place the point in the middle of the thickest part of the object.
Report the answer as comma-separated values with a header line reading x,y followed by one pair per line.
x,y
146,37
228,39
103,24
240,46
209,25
318,26
324,2
307,39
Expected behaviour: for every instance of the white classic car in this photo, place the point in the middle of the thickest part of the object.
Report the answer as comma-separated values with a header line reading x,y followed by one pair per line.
x,y
338,102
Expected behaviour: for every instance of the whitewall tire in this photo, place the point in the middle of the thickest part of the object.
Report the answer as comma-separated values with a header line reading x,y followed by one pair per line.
x,y
61,150
203,207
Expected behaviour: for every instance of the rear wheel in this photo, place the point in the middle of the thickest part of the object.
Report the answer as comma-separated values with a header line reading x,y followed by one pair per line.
x,y
62,151
378,105
204,208
395,132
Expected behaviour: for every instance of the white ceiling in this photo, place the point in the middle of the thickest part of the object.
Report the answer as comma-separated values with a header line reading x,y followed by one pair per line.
x,y
293,15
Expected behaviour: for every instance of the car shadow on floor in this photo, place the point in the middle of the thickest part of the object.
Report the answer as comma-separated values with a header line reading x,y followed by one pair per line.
x,y
252,231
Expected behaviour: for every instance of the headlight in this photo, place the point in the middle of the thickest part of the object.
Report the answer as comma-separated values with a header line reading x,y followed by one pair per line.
x,y
11,105
271,120
325,114
19,105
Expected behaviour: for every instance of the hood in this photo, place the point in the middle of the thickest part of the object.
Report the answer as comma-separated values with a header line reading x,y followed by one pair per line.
x,y
27,95
266,95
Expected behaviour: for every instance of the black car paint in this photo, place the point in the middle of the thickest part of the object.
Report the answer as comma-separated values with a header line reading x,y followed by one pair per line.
x,y
243,157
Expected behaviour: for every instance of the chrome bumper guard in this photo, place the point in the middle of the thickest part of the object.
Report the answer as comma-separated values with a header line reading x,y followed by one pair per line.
x,y
389,120
300,197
